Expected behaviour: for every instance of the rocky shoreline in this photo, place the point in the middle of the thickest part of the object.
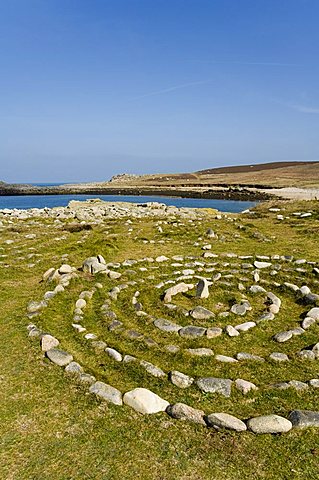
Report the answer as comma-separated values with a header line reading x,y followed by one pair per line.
x,y
225,192
96,210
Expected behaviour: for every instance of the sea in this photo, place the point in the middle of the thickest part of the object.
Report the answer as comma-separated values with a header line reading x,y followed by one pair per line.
x,y
40,201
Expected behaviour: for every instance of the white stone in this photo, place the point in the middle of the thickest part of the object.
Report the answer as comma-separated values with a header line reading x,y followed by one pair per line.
x,y
243,327
80,303
314,313
114,354
262,264
48,342
231,331
144,401
244,386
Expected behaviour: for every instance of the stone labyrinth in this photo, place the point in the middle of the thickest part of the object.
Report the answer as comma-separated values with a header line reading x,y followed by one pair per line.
x,y
195,336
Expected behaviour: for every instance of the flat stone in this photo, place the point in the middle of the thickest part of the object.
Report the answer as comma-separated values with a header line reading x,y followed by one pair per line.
x,y
304,418
299,386
225,359
249,356
244,327
280,385
279,357
48,342
213,332
262,264
256,289
272,298
114,354
106,392
74,368
181,411
129,359
180,379
172,348
314,382
311,299
215,385
225,421
306,355
65,268
152,369
86,378
115,325
59,357
98,345
192,331
231,331
200,352
175,290
144,401
314,313
269,424
238,309
201,313
297,331
283,336
266,316
315,350
34,332
307,322
48,274
80,303
244,386
134,335
161,259
114,275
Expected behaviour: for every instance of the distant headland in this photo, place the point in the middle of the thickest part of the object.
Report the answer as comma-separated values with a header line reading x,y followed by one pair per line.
x,y
243,182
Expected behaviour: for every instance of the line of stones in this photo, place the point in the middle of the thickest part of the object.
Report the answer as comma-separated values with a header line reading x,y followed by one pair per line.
x,y
145,401
181,380
192,331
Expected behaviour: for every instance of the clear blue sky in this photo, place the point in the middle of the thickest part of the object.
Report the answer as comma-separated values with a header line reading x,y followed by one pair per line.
x,y
91,88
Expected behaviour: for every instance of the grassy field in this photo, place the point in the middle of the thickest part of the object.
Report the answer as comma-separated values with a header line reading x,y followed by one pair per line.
x,y
53,428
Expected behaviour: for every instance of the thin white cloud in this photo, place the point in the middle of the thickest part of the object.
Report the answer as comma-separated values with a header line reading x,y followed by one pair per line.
x,y
263,64
172,89
298,107
268,64
303,108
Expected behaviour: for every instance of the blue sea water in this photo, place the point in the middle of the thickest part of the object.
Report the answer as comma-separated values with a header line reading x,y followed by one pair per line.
x,y
41,201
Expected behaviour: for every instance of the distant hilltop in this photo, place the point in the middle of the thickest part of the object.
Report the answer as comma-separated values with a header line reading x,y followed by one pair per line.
x,y
124,177
262,175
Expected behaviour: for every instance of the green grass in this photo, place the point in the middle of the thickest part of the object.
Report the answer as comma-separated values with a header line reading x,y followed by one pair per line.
x,y
52,428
